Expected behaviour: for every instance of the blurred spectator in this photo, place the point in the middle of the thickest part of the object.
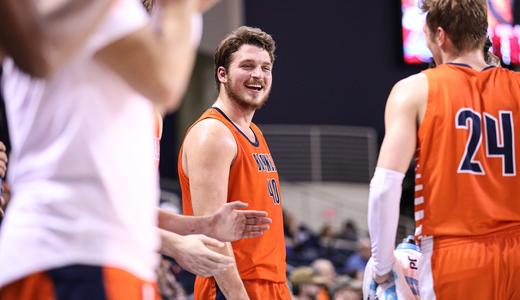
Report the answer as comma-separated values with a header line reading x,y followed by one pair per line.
x,y
325,269
307,284
169,288
346,288
306,245
290,227
349,231
327,235
355,265
302,245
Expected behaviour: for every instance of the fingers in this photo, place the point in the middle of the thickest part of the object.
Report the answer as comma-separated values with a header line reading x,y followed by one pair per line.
x,y
197,258
258,221
252,231
253,213
211,242
252,228
380,279
236,205
3,160
220,260
252,234
204,266
214,263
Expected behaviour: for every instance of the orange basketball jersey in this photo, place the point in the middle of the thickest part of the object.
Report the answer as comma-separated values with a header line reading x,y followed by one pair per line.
x,y
253,178
467,152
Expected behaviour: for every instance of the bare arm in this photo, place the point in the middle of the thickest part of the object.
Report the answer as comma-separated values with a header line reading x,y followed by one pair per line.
x,y
227,224
41,39
183,224
208,152
157,62
402,114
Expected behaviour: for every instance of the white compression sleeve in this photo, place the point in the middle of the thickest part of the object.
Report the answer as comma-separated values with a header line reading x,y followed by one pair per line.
x,y
383,216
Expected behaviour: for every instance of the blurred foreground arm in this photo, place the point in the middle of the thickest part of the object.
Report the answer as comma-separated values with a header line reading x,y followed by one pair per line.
x,y
157,60
40,38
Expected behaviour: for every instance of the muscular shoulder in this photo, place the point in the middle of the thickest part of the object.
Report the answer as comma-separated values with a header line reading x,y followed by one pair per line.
x,y
411,89
410,94
209,149
211,135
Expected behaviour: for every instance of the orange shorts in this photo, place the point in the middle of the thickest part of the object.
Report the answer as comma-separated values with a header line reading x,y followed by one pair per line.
x,y
483,267
207,289
80,282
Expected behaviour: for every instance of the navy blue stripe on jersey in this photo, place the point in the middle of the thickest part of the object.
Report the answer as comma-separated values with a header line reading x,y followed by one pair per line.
x,y
488,67
256,143
459,64
467,66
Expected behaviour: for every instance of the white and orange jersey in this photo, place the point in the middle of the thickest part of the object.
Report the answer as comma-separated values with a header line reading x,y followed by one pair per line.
x,y
467,152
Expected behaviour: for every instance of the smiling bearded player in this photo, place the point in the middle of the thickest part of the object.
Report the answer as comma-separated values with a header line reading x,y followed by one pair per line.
x,y
225,157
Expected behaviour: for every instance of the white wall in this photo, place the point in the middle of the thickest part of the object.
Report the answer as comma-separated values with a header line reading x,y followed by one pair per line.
x,y
317,203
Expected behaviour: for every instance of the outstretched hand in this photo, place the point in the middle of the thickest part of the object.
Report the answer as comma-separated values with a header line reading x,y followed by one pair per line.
x,y
230,223
191,252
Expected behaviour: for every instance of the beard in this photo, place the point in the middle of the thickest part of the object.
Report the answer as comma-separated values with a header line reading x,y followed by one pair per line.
x,y
242,101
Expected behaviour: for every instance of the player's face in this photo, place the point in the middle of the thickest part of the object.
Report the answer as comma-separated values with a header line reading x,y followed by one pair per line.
x,y
432,45
248,78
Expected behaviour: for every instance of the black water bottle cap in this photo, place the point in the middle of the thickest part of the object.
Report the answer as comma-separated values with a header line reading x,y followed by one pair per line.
x,y
409,239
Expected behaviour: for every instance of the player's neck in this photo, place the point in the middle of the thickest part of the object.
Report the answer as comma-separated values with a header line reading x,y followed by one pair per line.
x,y
240,116
473,58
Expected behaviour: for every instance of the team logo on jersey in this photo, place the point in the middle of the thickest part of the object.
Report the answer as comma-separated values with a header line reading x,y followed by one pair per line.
x,y
264,162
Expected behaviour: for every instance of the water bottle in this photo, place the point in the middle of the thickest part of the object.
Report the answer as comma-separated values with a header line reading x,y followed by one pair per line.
x,y
408,255
404,284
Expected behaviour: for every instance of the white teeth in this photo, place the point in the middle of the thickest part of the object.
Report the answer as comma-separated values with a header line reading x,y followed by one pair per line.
x,y
258,87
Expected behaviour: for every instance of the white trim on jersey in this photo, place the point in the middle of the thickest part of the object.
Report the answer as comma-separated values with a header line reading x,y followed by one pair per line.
x,y
425,270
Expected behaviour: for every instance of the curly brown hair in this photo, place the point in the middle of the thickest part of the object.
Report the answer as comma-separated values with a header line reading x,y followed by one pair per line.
x,y
465,21
243,35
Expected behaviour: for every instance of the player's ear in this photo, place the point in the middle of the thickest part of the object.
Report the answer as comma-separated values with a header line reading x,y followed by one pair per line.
x,y
440,36
222,74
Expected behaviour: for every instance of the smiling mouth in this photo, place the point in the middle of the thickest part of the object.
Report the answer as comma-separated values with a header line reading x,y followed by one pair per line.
x,y
255,87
